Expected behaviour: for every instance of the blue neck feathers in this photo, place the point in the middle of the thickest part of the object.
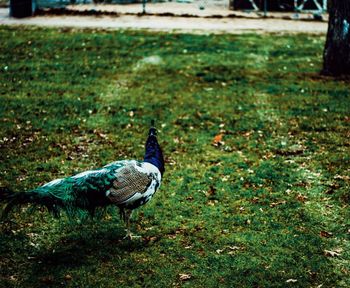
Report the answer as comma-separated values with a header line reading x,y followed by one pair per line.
x,y
153,153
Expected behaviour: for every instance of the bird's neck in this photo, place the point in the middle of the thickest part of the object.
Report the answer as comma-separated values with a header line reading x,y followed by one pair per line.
x,y
153,153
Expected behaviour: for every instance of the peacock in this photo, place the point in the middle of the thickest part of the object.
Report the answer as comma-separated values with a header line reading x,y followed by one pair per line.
x,y
127,184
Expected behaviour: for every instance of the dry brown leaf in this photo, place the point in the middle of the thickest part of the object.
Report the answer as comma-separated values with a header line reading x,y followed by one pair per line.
x,y
185,277
234,247
342,177
212,202
255,200
326,234
301,198
274,204
150,239
68,277
334,253
217,141
211,191
13,278
247,134
47,279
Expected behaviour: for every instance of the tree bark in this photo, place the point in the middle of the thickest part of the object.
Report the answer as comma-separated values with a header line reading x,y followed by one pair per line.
x,y
336,56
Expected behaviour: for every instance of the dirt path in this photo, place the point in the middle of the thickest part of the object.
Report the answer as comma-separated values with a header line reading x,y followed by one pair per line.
x,y
176,24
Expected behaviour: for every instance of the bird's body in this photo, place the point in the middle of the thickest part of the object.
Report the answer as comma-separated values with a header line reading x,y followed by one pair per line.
x,y
127,184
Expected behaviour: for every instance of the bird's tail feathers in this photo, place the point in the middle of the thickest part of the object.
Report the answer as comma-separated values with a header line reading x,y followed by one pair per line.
x,y
13,199
5,194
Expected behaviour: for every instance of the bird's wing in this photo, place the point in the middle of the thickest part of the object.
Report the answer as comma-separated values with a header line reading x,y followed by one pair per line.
x,y
128,182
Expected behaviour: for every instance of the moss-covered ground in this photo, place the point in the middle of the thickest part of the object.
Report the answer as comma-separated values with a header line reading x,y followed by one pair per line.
x,y
256,189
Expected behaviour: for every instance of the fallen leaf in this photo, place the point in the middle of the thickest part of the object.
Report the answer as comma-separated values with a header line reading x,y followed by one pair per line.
x,y
342,177
211,191
326,234
274,204
301,198
68,277
47,280
247,134
255,200
212,203
217,141
101,135
185,277
234,247
335,253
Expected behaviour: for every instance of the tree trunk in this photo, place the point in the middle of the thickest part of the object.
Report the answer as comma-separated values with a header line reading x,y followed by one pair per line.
x,y
336,56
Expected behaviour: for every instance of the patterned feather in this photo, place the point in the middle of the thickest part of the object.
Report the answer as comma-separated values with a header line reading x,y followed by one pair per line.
x,y
128,183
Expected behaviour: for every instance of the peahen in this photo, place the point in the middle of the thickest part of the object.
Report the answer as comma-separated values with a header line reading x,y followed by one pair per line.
x,y
127,184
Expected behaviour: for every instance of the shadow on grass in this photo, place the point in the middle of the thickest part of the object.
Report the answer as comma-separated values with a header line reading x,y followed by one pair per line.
x,y
81,253
78,250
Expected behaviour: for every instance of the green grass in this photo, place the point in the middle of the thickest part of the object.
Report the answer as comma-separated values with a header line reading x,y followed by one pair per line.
x,y
258,210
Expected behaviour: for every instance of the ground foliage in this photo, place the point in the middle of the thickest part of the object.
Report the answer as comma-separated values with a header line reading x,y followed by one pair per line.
x,y
256,189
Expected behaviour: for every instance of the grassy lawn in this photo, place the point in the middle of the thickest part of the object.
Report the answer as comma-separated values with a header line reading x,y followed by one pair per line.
x,y
256,189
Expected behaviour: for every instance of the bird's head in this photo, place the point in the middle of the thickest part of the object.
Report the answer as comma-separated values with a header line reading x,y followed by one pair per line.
x,y
152,130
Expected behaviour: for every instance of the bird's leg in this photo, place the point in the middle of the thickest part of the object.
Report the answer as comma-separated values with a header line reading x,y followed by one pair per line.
x,y
122,213
127,220
127,216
